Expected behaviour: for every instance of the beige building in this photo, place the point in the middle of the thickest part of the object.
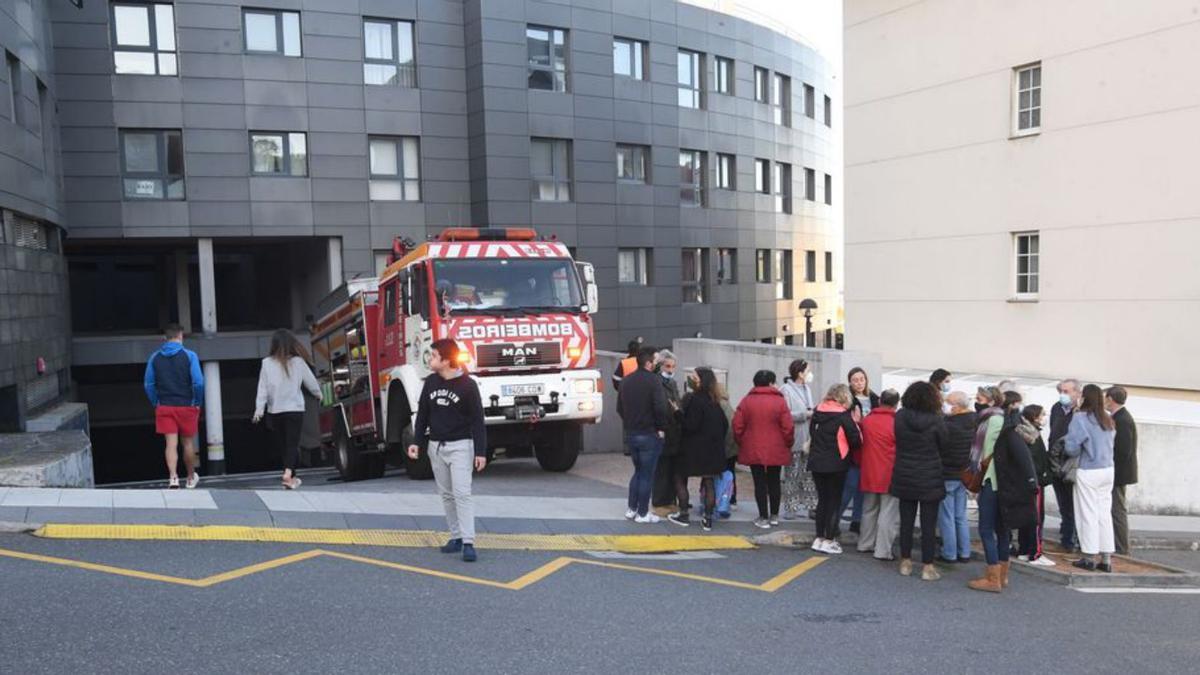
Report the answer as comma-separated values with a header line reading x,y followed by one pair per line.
x,y
1023,187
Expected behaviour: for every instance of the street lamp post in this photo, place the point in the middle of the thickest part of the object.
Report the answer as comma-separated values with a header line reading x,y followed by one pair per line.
x,y
807,305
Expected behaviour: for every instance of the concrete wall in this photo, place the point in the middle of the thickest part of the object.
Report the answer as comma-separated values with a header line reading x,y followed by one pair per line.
x,y
50,459
606,436
936,185
1168,463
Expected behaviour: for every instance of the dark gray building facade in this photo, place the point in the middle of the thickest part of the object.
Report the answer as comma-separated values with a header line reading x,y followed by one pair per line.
x,y
226,163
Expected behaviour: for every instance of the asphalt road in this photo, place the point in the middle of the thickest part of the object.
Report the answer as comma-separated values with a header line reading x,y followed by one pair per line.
x,y
332,615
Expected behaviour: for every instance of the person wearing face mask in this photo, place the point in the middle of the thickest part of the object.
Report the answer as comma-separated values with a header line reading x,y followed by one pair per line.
x,y
982,399
1015,486
952,515
863,401
763,428
798,489
993,533
1033,418
664,496
940,379
1060,421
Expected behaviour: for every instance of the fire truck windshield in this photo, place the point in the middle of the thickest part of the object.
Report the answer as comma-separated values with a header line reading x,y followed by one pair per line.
x,y
497,284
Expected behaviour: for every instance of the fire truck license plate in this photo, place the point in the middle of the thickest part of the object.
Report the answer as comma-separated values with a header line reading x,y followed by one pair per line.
x,y
522,389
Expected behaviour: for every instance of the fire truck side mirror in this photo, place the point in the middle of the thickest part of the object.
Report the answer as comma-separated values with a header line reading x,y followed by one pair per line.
x,y
587,274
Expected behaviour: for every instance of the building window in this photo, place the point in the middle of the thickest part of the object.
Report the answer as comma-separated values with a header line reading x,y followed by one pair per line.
x,y
692,273
828,189
15,98
633,268
781,186
269,31
783,275
25,232
691,178
1026,249
810,102
143,38
762,266
761,93
727,266
152,164
388,53
632,161
762,176
279,153
629,57
395,169
810,265
781,96
550,169
689,69
810,184
724,76
828,112
828,265
726,172
1027,112
547,58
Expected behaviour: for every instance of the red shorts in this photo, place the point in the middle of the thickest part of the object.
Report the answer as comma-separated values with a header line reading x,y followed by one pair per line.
x,y
177,419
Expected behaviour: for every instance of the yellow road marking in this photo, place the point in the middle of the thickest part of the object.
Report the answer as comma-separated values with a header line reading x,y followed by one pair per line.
x,y
520,583
397,538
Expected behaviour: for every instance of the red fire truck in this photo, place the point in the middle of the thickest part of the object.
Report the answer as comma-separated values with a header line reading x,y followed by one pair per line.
x,y
519,307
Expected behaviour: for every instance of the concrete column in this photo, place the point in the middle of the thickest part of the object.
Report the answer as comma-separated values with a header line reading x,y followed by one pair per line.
x,y
335,263
183,290
213,420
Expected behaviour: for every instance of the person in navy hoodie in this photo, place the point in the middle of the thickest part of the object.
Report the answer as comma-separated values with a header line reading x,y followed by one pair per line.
x,y
175,387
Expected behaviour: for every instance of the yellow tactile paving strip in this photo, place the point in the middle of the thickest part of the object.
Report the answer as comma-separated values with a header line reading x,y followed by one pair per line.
x,y
397,538
520,583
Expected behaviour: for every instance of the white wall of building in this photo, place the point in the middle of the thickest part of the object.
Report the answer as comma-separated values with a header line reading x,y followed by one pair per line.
x,y
935,187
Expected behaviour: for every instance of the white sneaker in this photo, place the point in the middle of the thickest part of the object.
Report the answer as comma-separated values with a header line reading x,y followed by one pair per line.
x,y
1042,561
193,480
173,484
762,523
832,547
630,514
818,544
1023,558
648,518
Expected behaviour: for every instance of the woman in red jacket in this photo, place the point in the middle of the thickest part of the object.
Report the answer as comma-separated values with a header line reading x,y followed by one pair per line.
x,y
881,511
763,428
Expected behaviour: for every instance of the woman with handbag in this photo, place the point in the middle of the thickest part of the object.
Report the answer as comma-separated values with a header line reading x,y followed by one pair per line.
x,y
1091,437
1033,420
281,381
701,447
980,478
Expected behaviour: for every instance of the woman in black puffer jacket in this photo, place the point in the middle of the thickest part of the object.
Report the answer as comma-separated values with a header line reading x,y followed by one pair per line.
x,y
921,446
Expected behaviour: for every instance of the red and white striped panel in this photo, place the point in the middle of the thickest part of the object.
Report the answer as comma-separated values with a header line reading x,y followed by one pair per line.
x,y
499,249
568,330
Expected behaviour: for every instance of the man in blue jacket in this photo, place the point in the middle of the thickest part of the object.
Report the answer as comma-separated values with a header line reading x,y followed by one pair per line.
x,y
175,386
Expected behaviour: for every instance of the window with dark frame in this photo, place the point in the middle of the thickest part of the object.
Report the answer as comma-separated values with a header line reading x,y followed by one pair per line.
x,y
783,275
271,31
810,102
143,39
828,189
692,275
689,66
547,51
726,171
726,266
723,75
810,265
395,168
781,96
828,112
1028,270
691,178
781,186
762,93
633,266
15,96
762,266
629,58
152,164
632,162
388,53
762,176
810,184
828,265
550,169
279,153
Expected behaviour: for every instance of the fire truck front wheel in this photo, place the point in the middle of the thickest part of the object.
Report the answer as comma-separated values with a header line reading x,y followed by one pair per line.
x,y
558,451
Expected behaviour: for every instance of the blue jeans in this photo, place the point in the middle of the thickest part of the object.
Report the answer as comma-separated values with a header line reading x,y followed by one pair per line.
x,y
850,491
952,522
644,450
992,530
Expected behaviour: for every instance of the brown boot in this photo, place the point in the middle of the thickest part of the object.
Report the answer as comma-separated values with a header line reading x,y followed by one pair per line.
x,y
1004,574
990,581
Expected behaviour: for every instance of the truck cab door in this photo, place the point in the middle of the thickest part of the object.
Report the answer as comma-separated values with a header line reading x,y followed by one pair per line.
x,y
417,333
391,330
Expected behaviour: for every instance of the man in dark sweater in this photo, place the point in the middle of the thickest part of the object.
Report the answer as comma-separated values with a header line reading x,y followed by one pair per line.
x,y
450,422
1125,470
642,405
1064,492
952,515
174,384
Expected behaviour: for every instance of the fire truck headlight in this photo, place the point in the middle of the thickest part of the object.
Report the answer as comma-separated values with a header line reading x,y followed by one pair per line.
x,y
587,405
574,352
585,386
464,357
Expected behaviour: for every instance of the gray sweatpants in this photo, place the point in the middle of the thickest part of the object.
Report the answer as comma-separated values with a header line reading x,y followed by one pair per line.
x,y
453,463
881,520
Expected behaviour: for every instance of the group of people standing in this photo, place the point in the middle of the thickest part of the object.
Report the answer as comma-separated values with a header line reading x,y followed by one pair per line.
x,y
895,459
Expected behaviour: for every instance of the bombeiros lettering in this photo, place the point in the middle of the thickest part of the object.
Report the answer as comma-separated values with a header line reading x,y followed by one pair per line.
x,y
513,330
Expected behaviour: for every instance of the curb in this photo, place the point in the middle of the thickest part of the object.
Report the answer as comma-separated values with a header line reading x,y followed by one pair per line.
x,y
18,528
1173,577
